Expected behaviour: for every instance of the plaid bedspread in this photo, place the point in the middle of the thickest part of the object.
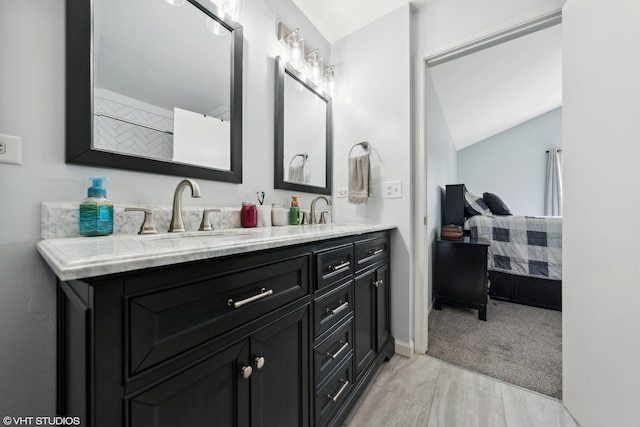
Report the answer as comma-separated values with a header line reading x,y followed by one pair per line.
x,y
522,245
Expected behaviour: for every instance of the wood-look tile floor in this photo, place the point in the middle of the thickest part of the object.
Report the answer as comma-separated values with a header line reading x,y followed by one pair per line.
x,y
424,391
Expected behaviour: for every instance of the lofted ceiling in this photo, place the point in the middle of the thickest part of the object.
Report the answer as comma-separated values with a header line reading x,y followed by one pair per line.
x,y
492,90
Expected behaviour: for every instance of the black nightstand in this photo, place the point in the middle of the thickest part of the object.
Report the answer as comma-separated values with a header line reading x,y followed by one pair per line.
x,y
460,274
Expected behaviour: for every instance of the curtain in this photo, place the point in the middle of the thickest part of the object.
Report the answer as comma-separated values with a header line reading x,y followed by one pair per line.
x,y
553,190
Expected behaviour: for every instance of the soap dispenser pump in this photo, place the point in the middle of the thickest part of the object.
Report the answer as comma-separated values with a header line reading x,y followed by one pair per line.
x,y
294,211
96,211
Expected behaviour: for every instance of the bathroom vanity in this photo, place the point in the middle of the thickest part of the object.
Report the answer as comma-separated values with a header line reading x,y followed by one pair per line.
x,y
275,326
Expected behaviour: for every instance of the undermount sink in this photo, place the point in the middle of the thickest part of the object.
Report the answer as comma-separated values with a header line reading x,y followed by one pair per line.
x,y
232,232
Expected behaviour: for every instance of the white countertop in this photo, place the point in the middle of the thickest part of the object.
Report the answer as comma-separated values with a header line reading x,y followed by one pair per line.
x,y
82,257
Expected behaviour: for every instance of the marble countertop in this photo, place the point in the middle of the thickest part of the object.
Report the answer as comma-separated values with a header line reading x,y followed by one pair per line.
x,y
82,257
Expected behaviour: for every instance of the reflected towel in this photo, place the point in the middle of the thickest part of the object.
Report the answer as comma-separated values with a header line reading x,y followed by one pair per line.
x,y
296,173
359,179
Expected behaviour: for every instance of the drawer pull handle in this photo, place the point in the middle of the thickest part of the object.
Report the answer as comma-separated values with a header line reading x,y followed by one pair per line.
x,y
375,251
340,266
378,283
345,345
263,293
345,384
342,306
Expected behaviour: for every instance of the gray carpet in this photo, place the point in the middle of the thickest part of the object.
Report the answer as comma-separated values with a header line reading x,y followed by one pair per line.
x,y
517,344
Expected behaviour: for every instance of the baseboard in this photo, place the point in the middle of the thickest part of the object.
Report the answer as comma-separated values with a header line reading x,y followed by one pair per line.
x,y
404,349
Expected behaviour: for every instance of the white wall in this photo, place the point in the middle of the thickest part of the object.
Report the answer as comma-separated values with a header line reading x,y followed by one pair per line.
x,y
373,74
601,272
441,170
32,106
513,163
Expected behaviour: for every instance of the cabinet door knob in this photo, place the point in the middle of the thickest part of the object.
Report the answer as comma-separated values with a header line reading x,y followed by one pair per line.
x,y
259,362
378,283
246,371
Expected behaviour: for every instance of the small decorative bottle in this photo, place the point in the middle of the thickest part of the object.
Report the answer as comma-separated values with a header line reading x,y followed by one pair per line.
x,y
294,211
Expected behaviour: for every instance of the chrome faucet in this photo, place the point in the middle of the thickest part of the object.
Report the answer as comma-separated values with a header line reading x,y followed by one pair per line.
x,y
176,215
312,214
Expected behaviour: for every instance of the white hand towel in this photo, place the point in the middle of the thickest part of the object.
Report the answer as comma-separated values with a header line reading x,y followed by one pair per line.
x,y
296,173
359,179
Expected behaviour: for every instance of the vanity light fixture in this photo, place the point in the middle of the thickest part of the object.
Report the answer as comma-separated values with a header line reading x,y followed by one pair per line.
x,y
295,49
300,56
175,2
329,81
317,67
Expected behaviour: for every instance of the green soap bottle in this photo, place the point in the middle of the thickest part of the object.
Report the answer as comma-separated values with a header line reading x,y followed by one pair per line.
x,y
294,211
96,211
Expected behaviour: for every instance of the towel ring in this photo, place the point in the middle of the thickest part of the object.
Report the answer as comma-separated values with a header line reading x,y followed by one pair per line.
x,y
364,144
304,156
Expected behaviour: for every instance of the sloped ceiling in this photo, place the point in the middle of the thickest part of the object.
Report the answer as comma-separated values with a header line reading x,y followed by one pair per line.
x,y
492,90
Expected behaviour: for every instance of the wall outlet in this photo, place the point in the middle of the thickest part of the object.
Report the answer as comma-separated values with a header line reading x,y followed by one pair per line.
x,y
393,190
10,149
342,192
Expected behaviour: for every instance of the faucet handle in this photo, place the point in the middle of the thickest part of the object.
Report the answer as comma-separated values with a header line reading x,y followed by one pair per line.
x,y
148,226
205,225
305,217
323,219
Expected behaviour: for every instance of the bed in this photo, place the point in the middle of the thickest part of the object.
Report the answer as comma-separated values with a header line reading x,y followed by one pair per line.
x,y
525,252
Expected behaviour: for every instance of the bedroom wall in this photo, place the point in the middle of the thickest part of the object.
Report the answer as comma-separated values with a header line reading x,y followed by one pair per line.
x,y
373,73
601,272
513,163
441,170
32,106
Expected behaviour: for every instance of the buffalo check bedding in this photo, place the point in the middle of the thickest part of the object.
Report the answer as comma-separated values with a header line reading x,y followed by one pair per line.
x,y
521,245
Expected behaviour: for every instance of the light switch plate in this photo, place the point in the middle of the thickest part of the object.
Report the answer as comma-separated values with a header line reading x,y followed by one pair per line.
x,y
10,149
342,192
393,190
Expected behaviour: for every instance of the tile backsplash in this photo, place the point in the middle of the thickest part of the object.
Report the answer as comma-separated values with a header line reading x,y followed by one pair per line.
x,y
62,219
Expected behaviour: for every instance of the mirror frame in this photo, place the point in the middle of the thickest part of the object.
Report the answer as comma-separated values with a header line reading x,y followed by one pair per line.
x,y
279,183
79,101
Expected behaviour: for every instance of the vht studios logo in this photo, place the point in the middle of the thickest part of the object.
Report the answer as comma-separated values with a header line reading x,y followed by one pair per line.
x,y
41,421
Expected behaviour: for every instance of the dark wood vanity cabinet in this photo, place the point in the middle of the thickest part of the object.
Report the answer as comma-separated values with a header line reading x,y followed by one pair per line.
x,y
282,337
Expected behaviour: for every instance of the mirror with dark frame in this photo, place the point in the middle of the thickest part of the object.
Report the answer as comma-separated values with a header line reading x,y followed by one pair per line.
x,y
303,133
154,87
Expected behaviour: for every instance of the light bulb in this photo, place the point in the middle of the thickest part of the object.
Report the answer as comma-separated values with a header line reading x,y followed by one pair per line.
x,y
175,2
295,49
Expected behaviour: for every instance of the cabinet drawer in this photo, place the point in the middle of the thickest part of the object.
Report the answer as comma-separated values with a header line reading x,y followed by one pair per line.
x,y
333,350
332,307
333,265
371,251
165,323
333,394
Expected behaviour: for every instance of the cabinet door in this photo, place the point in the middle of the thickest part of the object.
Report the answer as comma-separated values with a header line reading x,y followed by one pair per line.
x,y
213,392
383,322
364,321
280,387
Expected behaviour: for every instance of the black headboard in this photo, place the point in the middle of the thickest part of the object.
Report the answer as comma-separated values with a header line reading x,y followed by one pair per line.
x,y
454,205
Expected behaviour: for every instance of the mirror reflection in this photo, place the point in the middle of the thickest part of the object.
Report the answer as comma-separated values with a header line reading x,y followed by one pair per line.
x,y
153,97
303,134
